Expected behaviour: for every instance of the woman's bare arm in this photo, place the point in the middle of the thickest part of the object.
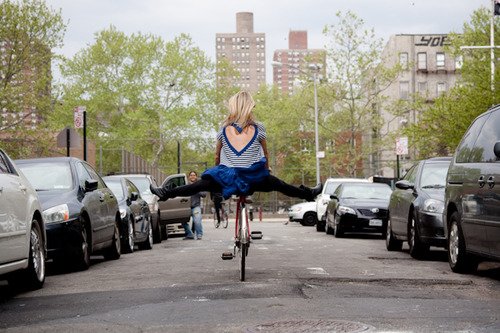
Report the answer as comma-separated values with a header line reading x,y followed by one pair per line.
x,y
263,143
217,152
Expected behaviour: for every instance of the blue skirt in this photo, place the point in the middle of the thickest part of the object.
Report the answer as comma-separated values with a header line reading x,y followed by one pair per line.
x,y
237,181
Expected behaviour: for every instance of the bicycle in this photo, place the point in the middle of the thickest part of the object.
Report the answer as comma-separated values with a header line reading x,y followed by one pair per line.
x,y
223,215
242,236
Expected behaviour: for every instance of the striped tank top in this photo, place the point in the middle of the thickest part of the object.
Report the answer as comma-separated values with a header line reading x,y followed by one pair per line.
x,y
247,156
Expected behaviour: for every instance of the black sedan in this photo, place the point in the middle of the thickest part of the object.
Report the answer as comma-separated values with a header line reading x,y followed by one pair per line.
x,y
416,208
136,226
80,212
358,206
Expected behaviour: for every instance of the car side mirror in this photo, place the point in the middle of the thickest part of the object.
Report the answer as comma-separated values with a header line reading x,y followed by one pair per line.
x,y
90,185
496,149
134,196
404,185
334,197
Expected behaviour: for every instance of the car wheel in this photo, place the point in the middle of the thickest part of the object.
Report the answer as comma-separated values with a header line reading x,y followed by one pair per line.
x,y
418,249
459,260
114,251
338,230
391,243
148,243
34,276
82,261
157,235
128,241
164,232
309,219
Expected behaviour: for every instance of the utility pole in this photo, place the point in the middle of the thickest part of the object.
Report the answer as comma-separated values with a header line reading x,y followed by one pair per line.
x,y
495,10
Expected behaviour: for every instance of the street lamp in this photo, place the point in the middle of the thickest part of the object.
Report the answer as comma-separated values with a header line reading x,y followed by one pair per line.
x,y
315,69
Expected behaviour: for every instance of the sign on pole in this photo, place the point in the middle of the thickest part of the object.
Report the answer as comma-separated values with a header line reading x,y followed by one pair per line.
x,y
320,154
78,116
402,145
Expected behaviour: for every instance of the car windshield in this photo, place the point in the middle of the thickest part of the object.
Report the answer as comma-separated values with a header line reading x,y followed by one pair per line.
x,y
366,191
48,176
331,187
142,184
434,175
116,187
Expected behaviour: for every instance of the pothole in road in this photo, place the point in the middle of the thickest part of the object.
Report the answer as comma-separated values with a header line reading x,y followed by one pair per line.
x,y
306,326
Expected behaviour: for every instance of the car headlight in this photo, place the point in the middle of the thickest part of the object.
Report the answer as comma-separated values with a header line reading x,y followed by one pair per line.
x,y
325,201
433,206
298,209
346,210
56,214
123,213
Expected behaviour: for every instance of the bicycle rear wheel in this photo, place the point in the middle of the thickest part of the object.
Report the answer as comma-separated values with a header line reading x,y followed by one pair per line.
x,y
225,219
216,222
243,238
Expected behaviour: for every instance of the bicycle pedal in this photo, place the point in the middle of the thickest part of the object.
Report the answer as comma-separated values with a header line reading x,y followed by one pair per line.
x,y
256,235
227,256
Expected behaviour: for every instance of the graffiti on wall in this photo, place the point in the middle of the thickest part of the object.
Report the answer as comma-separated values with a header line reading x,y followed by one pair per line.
x,y
431,41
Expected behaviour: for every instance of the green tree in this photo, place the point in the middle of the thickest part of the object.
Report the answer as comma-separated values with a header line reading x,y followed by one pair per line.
x,y
358,78
471,96
141,93
29,30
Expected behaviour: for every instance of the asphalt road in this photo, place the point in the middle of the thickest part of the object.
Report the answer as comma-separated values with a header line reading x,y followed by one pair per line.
x,y
298,280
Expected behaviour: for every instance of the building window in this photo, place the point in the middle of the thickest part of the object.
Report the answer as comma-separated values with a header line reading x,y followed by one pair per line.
x,y
422,87
441,88
404,88
403,59
422,60
440,60
459,61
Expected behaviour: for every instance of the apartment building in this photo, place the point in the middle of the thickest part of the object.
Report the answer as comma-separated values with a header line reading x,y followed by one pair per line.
x,y
245,51
428,71
292,63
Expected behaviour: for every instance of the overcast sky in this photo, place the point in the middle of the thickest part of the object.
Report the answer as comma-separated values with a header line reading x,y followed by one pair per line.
x,y
202,19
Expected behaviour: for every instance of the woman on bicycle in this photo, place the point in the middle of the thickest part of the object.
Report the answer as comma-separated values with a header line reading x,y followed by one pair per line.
x,y
241,160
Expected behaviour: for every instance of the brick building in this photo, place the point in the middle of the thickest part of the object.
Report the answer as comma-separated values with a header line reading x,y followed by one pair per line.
x,y
245,50
428,71
294,61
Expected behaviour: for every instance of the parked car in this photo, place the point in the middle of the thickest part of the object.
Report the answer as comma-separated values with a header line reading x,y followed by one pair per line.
x,y
304,212
175,211
472,195
136,219
323,199
80,212
416,208
142,181
22,230
358,206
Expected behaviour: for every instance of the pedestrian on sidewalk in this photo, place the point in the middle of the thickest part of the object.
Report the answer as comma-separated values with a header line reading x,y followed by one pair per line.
x,y
195,211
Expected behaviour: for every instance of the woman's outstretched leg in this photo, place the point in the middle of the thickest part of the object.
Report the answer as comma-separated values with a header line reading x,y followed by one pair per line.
x,y
187,190
272,183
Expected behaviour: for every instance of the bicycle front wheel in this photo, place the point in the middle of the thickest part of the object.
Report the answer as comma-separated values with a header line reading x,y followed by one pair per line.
x,y
243,254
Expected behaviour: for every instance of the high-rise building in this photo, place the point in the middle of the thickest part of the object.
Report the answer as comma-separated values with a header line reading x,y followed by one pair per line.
x,y
428,71
245,51
293,62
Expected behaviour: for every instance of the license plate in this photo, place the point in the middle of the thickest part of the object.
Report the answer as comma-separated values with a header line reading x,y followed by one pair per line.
x,y
375,223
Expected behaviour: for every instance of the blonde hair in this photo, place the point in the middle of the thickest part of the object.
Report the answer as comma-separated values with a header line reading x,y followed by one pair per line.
x,y
240,110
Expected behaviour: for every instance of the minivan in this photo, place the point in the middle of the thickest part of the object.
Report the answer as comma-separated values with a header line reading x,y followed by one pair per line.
x,y
472,195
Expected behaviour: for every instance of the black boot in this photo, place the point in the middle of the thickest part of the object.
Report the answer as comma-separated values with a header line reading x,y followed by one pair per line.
x,y
160,192
313,191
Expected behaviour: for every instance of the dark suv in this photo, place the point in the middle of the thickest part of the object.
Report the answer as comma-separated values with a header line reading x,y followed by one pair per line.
x,y
472,197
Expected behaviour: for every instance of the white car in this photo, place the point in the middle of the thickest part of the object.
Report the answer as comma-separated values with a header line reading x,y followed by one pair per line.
x,y
323,199
22,231
304,212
